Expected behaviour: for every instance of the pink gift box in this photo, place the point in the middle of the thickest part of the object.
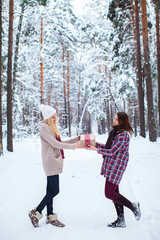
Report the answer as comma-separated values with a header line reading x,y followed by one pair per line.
x,y
87,139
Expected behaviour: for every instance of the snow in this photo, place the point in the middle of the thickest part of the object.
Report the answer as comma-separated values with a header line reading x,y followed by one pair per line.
x,y
81,204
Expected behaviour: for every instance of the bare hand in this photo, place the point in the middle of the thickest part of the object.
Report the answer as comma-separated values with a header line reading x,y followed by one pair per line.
x,y
78,145
89,147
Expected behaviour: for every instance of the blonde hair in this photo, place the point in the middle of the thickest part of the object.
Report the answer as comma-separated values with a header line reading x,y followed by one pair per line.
x,y
52,125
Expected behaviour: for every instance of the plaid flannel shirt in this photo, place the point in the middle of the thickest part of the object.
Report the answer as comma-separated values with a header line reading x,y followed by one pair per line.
x,y
116,158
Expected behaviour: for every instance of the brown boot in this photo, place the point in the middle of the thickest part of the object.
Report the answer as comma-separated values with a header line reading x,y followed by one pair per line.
x,y
35,217
52,219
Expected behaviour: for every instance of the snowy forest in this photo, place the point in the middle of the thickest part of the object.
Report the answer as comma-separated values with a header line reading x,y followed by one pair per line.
x,y
88,63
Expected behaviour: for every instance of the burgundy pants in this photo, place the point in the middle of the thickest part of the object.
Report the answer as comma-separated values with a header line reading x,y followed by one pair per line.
x,y
111,191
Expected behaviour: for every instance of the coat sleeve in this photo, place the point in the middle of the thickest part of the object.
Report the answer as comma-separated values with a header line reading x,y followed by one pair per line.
x,y
48,136
99,145
116,146
72,140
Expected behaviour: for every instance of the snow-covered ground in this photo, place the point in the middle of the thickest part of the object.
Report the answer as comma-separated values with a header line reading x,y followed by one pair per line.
x,y
81,204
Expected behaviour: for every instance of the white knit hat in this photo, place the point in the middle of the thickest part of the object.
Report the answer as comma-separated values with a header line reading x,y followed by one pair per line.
x,y
47,111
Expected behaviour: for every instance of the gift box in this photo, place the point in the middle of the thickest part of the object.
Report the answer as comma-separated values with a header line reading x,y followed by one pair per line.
x,y
87,139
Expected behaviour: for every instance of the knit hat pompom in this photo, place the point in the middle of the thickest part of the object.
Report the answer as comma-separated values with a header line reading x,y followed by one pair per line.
x,y
47,111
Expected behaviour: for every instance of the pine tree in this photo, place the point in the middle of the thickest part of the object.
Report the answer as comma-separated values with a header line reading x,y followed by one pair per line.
x,y
64,88
9,80
139,72
157,10
41,63
151,117
1,133
15,65
68,94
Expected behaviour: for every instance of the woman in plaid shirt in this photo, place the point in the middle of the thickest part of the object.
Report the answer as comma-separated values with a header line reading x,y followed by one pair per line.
x,y
115,158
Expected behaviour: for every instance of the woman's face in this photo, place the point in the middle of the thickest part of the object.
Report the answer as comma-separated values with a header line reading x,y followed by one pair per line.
x,y
54,117
115,121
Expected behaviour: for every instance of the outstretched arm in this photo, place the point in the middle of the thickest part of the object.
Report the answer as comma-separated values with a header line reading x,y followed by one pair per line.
x,y
72,140
116,146
89,147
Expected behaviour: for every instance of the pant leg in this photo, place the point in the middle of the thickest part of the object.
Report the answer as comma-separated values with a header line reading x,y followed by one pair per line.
x,y
125,202
111,191
52,191
119,208
50,204
117,189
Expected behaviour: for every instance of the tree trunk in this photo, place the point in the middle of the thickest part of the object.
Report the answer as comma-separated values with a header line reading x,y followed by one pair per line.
x,y
88,123
108,115
151,118
158,64
41,62
106,103
99,66
99,127
79,96
111,114
135,119
9,80
1,133
56,102
17,45
68,95
139,73
64,91
103,126
49,93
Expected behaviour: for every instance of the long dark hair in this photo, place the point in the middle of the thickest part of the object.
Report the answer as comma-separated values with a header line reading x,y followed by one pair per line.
x,y
124,123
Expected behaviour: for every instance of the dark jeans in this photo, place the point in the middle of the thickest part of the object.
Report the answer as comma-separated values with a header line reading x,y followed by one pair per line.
x,y
51,191
111,191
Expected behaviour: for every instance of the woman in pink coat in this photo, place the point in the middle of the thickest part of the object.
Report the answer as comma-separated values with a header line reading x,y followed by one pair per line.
x,y
115,159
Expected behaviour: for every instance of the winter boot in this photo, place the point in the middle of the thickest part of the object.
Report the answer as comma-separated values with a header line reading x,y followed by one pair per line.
x,y
52,219
134,207
120,222
136,210
35,216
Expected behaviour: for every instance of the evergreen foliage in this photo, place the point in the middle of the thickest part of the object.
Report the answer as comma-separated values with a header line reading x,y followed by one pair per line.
x,y
102,69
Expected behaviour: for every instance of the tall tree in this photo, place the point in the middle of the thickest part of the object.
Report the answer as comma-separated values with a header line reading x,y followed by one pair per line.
x,y
79,100
139,72
157,9
64,88
1,142
17,44
41,62
9,80
68,94
149,88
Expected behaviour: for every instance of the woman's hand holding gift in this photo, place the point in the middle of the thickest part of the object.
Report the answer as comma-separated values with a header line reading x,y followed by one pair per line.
x,y
78,145
89,147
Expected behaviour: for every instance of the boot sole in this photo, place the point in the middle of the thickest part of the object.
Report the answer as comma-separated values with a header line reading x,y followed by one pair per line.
x,y
32,221
56,225
109,225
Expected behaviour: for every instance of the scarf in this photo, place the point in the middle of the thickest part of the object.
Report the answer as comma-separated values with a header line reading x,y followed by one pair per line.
x,y
110,138
61,150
